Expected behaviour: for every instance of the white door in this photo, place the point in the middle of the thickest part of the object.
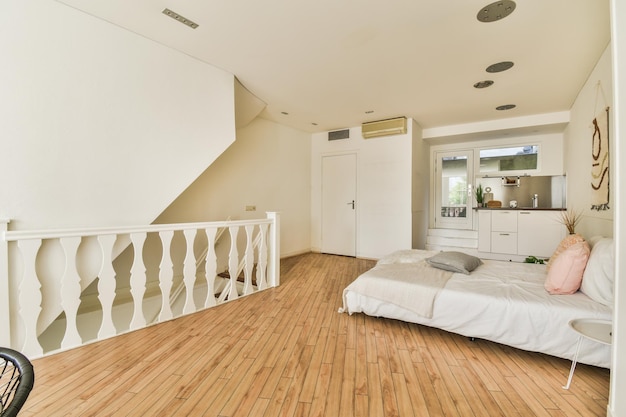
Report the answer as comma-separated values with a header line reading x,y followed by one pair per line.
x,y
339,204
453,189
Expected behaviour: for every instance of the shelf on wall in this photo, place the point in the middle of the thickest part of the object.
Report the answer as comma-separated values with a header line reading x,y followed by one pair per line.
x,y
511,181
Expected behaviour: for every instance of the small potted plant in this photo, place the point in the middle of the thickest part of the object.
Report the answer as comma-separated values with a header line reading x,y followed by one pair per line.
x,y
570,219
479,195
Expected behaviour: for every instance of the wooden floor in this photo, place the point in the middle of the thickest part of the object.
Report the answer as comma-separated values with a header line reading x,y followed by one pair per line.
x,y
288,352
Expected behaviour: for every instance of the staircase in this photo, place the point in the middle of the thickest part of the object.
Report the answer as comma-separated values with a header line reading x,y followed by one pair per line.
x,y
453,240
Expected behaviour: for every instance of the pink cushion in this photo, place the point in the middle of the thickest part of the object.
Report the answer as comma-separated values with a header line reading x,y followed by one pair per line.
x,y
566,272
567,241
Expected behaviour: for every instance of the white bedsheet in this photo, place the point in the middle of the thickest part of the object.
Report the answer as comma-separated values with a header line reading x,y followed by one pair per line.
x,y
504,302
398,283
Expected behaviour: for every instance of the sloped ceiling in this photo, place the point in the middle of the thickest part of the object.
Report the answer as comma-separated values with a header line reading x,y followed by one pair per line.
x,y
327,64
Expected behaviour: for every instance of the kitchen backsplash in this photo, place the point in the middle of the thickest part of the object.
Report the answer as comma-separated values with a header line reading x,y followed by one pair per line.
x,y
550,190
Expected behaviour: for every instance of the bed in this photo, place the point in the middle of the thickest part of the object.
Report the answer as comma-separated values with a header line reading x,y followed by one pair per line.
x,y
504,302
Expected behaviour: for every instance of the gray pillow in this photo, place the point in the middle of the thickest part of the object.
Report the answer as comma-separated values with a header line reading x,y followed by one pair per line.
x,y
455,262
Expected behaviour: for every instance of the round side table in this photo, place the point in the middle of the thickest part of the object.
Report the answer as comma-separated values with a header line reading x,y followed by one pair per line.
x,y
597,330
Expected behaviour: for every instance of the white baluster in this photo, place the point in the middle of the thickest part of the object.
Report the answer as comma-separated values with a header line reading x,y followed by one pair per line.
x,y
210,268
106,286
249,261
273,263
70,291
138,281
261,268
30,297
233,262
189,272
166,275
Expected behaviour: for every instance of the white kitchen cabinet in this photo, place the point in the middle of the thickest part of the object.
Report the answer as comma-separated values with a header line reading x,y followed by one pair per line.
x,y
539,232
504,232
516,234
504,221
484,231
504,242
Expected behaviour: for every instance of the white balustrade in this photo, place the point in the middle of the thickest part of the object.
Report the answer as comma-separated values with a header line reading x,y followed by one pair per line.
x,y
262,264
138,280
189,272
115,274
30,296
106,286
210,267
166,275
248,261
233,263
70,291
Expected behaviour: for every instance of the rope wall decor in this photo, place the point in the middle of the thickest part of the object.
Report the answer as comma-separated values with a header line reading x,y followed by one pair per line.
x,y
600,180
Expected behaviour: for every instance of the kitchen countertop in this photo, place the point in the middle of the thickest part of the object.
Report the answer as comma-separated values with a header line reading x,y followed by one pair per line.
x,y
521,208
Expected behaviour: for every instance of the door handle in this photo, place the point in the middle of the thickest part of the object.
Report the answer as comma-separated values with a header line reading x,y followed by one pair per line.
x,y
352,202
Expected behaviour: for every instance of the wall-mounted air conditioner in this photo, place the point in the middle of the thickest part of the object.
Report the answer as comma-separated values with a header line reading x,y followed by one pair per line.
x,y
395,126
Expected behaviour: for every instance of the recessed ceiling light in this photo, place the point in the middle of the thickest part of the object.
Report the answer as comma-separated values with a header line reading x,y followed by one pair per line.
x,y
483,84
506,107
180,18
369,112
500,66
284,112
496,11
314,124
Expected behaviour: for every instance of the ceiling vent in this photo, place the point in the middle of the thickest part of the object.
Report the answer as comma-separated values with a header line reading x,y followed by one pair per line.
x,y
180,18
396,126
339,134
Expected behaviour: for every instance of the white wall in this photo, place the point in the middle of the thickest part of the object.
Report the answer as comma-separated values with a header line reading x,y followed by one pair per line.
x,y
383,190
100,126
617,400
591,100
420,187
267,167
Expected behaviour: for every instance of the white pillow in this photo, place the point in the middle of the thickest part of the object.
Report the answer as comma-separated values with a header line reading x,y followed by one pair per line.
x,y
599,276
594,239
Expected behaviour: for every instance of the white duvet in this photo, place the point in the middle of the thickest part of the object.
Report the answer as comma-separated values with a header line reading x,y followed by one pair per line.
x,y
395,283
504,302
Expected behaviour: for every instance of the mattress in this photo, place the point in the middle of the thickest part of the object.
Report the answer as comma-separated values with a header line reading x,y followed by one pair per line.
x,y
504,302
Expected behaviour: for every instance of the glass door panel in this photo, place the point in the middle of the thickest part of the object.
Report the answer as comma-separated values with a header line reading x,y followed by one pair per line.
x,y
453,191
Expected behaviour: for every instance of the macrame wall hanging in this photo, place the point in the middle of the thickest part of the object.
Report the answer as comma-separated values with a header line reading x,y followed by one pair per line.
x,y
600,157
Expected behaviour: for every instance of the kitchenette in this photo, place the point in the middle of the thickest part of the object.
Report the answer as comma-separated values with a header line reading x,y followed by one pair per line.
x,y
520,216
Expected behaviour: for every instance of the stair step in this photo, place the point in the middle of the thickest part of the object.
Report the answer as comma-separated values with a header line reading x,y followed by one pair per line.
x,y
241,277
469,251
456,233
452,241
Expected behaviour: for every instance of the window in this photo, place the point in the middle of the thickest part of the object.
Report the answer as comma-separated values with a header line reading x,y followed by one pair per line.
x,y
516,158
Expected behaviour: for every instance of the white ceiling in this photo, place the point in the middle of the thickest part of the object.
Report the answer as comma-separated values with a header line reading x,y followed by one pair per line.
x,y
330,61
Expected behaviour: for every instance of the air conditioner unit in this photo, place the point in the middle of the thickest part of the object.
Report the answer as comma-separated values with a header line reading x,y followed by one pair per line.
x,y
395,126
